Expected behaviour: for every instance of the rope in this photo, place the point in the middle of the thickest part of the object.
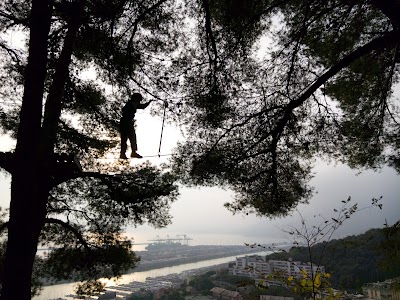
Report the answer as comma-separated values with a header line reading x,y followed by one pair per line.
x,y
158,155
162,131
162,128
145,156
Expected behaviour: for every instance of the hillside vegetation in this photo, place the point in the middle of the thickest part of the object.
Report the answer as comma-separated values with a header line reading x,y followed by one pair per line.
x,y
352,261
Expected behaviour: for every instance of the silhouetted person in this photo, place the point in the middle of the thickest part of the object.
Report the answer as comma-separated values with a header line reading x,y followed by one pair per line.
x,y
127,124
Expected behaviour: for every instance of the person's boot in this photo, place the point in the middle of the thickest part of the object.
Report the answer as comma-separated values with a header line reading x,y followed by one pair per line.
x,y
136,155
123,156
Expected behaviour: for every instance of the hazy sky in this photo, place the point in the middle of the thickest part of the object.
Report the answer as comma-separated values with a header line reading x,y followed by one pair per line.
x,y
199,213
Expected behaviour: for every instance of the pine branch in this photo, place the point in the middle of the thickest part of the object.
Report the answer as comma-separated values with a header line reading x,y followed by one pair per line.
x,y
388,40
70,228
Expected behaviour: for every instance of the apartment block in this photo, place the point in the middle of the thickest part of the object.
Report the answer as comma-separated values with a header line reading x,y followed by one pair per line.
x,y
385,290
255,266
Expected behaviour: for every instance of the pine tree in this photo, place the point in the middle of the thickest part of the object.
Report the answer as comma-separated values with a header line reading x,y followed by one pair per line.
x,y
61,195
262,88
288,82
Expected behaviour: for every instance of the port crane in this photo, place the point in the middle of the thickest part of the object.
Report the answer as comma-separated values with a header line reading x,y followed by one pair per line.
x,y
182,239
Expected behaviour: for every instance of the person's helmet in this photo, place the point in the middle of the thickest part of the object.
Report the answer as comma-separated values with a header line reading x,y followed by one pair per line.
x,y
136,97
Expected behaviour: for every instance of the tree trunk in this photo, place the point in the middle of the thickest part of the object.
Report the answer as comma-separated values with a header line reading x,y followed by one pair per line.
x,y
53,105
35,146
27,215
28,186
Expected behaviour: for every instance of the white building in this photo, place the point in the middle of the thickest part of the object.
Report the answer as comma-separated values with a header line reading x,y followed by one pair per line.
x,y
256,266
294,268
251,266
383,290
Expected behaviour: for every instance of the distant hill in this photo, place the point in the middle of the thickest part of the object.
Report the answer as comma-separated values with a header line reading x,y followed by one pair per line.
x,y
352,261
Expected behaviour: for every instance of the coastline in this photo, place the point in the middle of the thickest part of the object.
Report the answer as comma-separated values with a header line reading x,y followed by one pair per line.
x,y
60,290
176,257
225,251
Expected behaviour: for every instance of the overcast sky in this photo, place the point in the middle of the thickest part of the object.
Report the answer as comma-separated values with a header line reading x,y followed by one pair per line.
x,y
199,213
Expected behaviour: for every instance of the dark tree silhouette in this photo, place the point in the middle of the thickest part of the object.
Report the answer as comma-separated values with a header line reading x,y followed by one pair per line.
x,y
78,207
288,81
320,85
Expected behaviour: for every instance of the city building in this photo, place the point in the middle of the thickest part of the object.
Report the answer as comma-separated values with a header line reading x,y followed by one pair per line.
x,y
223,294
255,266
386,290
250,266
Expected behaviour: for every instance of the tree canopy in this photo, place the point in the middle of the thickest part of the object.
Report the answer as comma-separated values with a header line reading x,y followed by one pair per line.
x,y
59,116
286,82
261,88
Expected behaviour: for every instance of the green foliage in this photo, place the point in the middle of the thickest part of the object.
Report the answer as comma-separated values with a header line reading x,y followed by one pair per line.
x,y
95,262
239,20
211,273
86,213
113,44
202,283
309,285
235,280
172,295
351,261
91,244
255,120
276,291
390,247
311,91
90,288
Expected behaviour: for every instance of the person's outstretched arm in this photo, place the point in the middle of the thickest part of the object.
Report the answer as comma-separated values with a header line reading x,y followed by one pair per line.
x,y
143,105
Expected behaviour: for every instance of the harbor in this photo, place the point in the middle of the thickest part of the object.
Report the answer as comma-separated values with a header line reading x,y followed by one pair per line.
x,y
129,282
164,262
151,284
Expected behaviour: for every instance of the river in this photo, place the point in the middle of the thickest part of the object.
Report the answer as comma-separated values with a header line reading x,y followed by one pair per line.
x,y
61,290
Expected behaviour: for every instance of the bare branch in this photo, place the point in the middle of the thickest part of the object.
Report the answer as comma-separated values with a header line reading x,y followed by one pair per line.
x,y
388,40
14,20
139,19
15,56
144,88
210,35
71,229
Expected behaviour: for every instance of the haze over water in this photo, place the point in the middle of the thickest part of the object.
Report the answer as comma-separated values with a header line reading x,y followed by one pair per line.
x,y
201,239
61,290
